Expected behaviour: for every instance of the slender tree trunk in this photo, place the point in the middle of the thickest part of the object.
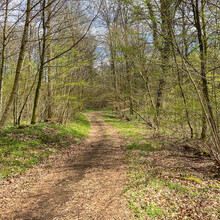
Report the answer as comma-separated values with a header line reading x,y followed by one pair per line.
x,y
179,72
113,71
25,101
112,48
185,104
130,89
184,31
202,38
3,53
41,69
28,81
157,46
19,66
127,61
49,69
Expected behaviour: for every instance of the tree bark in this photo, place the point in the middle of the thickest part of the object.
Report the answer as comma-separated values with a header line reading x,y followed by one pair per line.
x,y
166,23
49,70
202,38
3,53
41,69
19,66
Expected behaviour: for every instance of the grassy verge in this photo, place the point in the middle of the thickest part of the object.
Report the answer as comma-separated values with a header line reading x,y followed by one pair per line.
x,y
132,130
22,148
164,180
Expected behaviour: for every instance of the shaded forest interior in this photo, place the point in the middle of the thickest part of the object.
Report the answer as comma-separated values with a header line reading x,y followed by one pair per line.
x,y
155,61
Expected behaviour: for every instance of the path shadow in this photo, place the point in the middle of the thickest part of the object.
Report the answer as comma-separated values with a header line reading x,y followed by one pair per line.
x,y
100,155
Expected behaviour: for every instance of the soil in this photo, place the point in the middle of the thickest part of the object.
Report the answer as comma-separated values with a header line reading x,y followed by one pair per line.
x,y
83,182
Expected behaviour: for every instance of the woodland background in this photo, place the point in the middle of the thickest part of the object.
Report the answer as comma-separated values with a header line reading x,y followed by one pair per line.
x,y
157,61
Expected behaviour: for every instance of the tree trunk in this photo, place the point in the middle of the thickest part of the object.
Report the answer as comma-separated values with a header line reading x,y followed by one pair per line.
x,y
19,66
3,54
49,69
166,23
41,69
202,38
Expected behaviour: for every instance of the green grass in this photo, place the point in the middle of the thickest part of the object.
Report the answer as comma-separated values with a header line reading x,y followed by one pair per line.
x,y
146,147
132,130
106,109
176,187
91,110
22,148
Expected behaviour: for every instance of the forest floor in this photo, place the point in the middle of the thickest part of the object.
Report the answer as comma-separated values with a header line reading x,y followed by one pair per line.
x,y
168,177
85,182
121,171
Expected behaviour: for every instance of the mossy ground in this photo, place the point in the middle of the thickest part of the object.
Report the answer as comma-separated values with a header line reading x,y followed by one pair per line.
x,y
22,148
166,179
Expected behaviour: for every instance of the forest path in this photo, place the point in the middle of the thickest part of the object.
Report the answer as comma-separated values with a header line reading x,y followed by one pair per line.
x,y
85,184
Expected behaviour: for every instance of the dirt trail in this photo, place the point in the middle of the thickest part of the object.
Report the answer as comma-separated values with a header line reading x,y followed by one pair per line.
x,y
86,183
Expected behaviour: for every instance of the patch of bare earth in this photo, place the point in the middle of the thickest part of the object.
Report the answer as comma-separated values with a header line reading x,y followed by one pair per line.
x,y
84,182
